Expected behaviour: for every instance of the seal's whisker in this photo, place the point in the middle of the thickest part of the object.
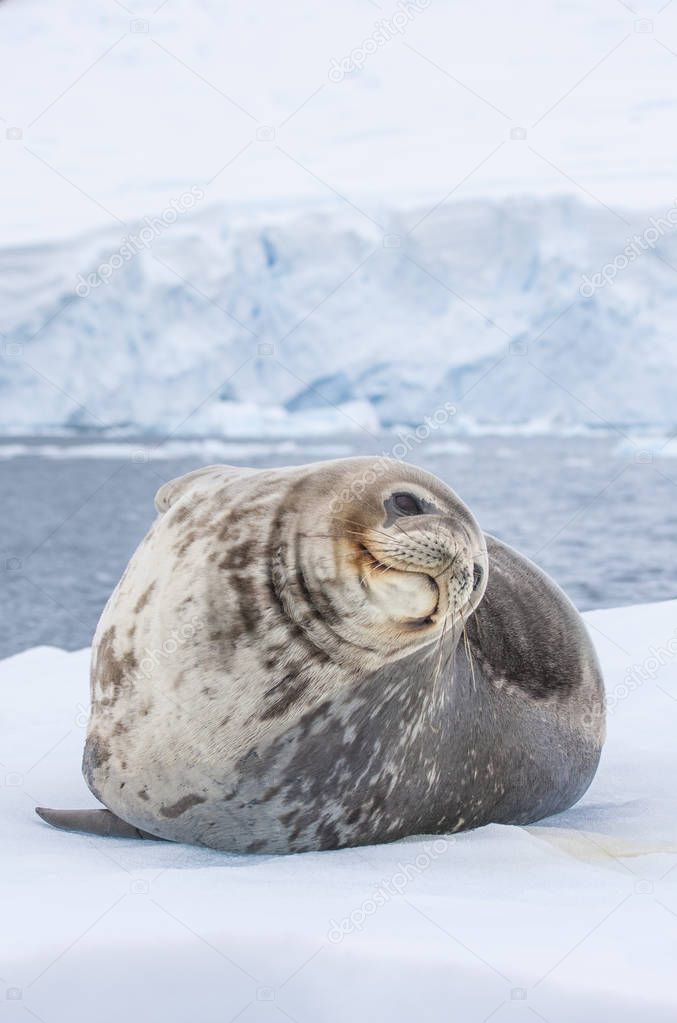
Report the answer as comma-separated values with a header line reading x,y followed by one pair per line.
x,y
370,529
468,653
440,647
391,548
445,568
382,569
379,538
402,531
354,532
376,570
438,651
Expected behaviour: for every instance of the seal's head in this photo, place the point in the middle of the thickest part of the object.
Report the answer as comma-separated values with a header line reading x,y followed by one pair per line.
x,y
374,556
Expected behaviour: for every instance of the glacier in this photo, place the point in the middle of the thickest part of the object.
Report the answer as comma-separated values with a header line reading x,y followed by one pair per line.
x,y
316,321
357,254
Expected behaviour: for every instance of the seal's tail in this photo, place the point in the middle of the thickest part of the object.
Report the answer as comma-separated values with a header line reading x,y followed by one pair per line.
x,y
92,822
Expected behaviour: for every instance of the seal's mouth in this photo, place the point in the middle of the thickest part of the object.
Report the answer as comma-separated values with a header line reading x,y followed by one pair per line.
x,y
370,562
411,592
421,578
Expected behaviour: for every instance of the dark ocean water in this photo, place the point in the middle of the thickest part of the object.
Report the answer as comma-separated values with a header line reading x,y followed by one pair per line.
x,y
601,521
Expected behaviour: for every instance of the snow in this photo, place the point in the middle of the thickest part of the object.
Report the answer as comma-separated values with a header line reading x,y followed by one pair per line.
x,y
203,449
571,920
352,254
651,447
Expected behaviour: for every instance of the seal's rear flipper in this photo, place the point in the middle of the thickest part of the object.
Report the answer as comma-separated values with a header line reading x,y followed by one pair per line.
x,y
92,822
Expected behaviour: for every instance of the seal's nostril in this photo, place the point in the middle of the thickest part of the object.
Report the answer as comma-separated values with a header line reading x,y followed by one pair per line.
x,y
476,576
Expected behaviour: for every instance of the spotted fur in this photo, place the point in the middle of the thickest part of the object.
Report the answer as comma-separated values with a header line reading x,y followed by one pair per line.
x,y
288,665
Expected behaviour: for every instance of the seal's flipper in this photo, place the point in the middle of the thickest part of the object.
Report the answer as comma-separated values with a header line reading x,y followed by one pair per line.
x,y
92,822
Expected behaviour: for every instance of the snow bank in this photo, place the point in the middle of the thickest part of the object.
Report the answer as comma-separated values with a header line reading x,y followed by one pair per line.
x,y
203,449
571,920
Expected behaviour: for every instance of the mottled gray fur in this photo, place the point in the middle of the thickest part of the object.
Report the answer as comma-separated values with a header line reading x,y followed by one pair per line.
x,y
284,668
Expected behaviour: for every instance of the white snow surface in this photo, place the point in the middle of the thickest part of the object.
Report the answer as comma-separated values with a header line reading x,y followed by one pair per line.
x,y
571,920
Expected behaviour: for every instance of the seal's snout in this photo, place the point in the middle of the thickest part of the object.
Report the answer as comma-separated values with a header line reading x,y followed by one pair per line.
x,y
423,567
421,544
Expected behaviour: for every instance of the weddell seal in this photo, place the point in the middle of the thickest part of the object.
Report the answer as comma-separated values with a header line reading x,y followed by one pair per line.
x,y
332,655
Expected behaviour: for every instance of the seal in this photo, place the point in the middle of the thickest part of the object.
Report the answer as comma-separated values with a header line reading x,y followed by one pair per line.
x,y
332,655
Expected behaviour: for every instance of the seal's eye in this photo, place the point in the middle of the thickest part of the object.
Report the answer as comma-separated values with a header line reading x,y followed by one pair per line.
x,y
407,504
